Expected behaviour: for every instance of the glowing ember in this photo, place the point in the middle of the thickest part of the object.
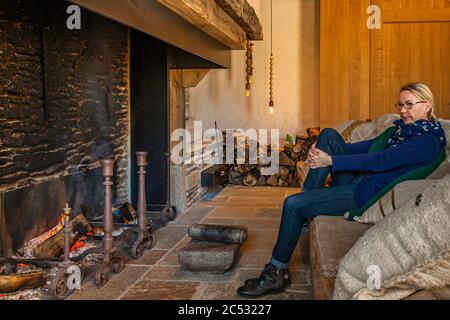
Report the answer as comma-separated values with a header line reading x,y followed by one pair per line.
x,y
79,244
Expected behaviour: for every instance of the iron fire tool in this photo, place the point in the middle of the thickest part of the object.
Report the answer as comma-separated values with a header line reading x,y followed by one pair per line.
x,y
58,285
112,261
144,239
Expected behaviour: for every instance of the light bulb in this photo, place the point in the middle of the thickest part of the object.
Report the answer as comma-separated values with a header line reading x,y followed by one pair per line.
x,y
271,110
247,93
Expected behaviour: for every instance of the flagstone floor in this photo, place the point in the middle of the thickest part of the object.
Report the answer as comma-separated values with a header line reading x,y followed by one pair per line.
x,y
158,276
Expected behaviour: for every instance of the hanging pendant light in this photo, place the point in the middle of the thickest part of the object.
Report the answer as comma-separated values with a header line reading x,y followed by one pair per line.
x,y
271,100
249,68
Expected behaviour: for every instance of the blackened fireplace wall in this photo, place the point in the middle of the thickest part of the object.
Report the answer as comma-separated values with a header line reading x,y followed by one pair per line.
x,y
64,105
63,93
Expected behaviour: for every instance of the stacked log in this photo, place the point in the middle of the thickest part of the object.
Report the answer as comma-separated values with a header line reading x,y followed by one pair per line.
x,y
292,165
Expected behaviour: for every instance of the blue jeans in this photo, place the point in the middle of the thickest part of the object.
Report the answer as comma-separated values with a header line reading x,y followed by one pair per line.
x,y
315,200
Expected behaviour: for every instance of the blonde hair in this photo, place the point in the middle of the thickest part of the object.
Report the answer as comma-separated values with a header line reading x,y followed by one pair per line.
x,y
423,92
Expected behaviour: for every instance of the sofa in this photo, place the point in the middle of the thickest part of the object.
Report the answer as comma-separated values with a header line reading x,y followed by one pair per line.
x,y
331,238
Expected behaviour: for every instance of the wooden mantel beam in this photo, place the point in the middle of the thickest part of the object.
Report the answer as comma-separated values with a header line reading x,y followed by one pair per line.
x,y
245,16
210,18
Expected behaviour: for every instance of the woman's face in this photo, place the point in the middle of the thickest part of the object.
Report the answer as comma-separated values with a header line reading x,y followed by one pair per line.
x,y
418,112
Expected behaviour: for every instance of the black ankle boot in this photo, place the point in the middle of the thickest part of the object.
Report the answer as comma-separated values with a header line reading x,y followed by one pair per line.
x,y
272,280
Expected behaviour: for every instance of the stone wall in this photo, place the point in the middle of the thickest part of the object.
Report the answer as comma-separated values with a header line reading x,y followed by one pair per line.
x,y
64,94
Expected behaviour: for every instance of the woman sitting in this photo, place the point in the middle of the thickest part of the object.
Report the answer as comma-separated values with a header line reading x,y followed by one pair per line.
x,y
358,175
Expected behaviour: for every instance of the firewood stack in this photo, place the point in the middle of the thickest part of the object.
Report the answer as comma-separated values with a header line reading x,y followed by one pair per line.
x,y
292,171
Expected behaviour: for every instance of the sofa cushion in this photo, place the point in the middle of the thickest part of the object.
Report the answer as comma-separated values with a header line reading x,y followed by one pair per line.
x,y
444,168
395,198
411,248
335,237
373,129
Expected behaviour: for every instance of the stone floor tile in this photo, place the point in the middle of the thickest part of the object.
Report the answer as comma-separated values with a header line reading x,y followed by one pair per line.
x,y
260,239
173,273
247,204
116,286
269,213
289,295
219,221
194,215
149,257
274,192
217,291
161,290
254,259
292,191
234,212
171,258
168,237
257,199
271,224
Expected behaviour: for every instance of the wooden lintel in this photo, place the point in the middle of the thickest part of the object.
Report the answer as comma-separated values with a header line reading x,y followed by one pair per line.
x,y
209,17
245,16
192,77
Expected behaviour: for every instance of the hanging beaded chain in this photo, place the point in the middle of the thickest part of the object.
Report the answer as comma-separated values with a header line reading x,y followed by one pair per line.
x,y
249,69
271,101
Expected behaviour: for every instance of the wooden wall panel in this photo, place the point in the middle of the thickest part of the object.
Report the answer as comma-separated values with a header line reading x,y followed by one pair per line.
x,y
443,110
362,70
344,61
410,48
176,102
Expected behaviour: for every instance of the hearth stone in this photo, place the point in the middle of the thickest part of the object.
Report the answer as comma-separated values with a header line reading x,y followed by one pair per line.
x,y
211,257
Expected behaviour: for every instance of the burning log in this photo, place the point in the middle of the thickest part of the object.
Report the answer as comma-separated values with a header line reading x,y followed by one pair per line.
x,y
16,282
53,247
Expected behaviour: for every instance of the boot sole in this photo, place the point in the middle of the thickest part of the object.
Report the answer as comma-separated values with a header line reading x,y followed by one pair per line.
x,y
268,292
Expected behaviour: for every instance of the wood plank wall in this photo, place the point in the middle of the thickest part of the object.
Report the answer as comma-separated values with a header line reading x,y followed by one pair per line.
x,y
362,70
344,66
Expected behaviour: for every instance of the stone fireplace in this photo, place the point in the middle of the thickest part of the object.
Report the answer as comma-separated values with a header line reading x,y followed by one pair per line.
x,y
70,98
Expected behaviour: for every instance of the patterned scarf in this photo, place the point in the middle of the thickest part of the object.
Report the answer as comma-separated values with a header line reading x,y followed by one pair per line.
x,y
416,129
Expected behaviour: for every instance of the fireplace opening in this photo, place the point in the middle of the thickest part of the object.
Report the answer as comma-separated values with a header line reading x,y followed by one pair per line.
x,y
71,98
76,107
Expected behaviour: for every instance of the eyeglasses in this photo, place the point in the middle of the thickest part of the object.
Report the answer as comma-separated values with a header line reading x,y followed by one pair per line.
x,y
408,105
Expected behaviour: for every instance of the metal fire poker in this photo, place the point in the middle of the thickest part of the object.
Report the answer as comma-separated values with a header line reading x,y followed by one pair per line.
x,y
144,239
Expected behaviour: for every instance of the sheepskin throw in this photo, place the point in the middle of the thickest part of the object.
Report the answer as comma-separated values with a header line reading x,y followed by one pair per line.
x,y
410,248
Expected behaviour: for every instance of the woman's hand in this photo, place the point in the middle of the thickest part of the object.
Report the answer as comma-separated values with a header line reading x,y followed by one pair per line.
x,y
311,153
319,159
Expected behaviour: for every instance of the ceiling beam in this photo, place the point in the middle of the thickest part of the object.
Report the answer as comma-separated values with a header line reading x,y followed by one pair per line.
x,y
245,16
150,17
209,17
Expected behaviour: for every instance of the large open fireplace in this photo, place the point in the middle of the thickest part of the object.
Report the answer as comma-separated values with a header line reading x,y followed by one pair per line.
x,y
72,98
